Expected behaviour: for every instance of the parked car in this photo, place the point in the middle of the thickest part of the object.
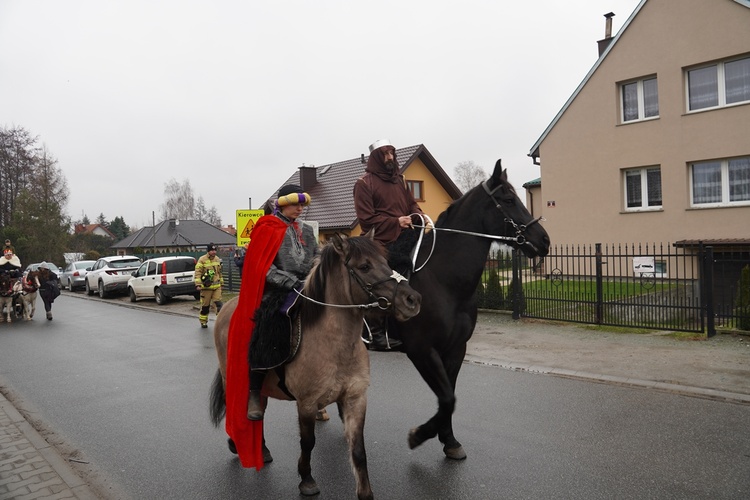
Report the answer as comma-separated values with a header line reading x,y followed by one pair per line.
x,y
110,274
74,274
163,278
35,267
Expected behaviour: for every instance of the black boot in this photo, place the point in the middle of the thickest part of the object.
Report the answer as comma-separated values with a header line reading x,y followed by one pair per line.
x,y
255,406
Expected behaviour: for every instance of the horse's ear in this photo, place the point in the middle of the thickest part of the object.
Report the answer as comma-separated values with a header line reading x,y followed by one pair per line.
x,y
370,234
498,175
339,243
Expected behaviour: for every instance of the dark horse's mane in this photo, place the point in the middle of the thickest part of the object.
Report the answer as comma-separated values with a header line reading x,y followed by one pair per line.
x,y
506,190
327,263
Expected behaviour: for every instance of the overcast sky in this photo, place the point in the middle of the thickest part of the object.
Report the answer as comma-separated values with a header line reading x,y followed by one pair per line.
x,y
235,95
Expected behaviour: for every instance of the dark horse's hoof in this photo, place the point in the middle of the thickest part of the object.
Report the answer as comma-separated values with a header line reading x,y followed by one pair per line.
x,y
414,439
455,453
231,446
309,488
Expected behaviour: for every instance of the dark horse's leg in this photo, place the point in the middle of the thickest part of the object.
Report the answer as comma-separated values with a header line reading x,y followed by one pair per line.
x,y
441,377
307,486
353,411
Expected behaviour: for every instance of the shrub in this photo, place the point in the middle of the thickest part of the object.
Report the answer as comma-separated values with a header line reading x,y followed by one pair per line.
x,y
493,295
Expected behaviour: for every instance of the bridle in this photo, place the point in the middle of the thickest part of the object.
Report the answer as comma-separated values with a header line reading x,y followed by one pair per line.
x,y
520,229
382,303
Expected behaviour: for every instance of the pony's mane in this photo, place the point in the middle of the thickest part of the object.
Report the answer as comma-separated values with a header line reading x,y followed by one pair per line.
x,y
327,263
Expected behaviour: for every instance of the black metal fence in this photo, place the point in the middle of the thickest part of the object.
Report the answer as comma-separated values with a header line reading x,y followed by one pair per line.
x,y
662,287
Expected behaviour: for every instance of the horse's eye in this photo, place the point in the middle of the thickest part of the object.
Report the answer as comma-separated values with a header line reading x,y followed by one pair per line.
x,y
510,202
365,268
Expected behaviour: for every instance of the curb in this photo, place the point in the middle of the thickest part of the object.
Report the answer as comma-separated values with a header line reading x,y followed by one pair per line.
x,y
684,390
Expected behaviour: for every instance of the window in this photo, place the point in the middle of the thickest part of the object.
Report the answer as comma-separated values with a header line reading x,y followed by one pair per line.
x,y
416,188
721,182
643,189
720,84
640,100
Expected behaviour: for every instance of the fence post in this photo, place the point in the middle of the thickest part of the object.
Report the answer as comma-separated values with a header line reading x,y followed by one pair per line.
x,y
599,308
516,284
708,291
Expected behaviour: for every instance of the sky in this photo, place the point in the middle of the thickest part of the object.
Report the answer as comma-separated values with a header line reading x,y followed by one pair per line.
x,y
234,95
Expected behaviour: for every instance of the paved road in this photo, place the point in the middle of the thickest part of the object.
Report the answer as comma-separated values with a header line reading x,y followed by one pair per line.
x,y
130,399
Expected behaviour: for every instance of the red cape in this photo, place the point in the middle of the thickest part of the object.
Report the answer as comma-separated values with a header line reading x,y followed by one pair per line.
x,y
247,435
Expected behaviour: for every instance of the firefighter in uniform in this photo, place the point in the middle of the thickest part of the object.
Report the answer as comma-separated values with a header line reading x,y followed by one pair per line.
x,y
208,280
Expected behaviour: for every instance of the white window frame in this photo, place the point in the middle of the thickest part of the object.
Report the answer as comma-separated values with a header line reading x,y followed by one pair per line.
x,y
641,100
721,86
725,201
643,171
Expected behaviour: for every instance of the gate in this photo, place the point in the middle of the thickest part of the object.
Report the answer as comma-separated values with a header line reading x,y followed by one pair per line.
x,y
640,286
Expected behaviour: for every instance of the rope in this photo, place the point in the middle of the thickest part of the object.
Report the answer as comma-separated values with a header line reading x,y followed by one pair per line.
x,y
371,305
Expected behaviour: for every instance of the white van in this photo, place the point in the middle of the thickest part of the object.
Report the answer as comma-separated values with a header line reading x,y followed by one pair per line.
x,y
163,278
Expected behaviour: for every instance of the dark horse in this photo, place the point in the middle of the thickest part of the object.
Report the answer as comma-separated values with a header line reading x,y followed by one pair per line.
x,y
331,364
435,340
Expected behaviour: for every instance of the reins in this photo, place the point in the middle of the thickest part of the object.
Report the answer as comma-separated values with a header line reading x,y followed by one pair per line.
x,y
381,302
519,238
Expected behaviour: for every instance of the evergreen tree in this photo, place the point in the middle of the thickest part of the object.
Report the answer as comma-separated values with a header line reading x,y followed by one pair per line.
x,y
119,228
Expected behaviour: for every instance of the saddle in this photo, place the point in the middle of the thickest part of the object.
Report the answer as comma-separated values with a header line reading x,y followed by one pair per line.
x,y
278,330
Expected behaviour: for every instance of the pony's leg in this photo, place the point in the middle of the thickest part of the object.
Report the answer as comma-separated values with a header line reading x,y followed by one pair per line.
x,y
354,410
434,373
307,486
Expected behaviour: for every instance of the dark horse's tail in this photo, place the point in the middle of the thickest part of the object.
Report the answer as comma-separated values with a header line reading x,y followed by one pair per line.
x,y
217,403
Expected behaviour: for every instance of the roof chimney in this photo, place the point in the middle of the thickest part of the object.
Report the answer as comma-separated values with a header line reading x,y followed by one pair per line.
x,y
308,177
604,43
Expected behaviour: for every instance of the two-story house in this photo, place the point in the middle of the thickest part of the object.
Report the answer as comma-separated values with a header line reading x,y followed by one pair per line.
x,y
331,188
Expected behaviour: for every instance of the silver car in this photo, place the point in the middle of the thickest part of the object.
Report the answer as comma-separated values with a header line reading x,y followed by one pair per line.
x,y
74,275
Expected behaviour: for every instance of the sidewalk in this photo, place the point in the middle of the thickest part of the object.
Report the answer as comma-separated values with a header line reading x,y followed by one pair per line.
x,y
29,466
718,368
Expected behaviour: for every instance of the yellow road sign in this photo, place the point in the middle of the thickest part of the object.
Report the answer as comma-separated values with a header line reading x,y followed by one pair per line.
x,y
246,220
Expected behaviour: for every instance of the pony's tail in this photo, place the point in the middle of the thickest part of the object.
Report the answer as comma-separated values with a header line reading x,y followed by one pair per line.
x,y
217,404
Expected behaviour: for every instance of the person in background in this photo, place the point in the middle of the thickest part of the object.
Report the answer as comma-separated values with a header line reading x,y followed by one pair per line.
x,y
384,204
49,287
209,280
9,261
239,257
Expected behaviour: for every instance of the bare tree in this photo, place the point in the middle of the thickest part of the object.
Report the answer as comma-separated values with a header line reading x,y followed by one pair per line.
x,y
179,201
19,154
212,217
200,209
468,174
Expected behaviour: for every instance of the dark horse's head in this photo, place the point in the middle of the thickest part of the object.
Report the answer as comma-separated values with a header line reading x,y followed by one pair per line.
x,y
512,218
354,271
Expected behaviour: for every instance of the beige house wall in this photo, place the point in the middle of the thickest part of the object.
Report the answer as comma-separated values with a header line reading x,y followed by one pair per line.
x,y
584,155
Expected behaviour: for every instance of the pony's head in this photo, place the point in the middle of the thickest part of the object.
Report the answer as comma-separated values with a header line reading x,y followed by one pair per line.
x,y
354,271
6,282
511,218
